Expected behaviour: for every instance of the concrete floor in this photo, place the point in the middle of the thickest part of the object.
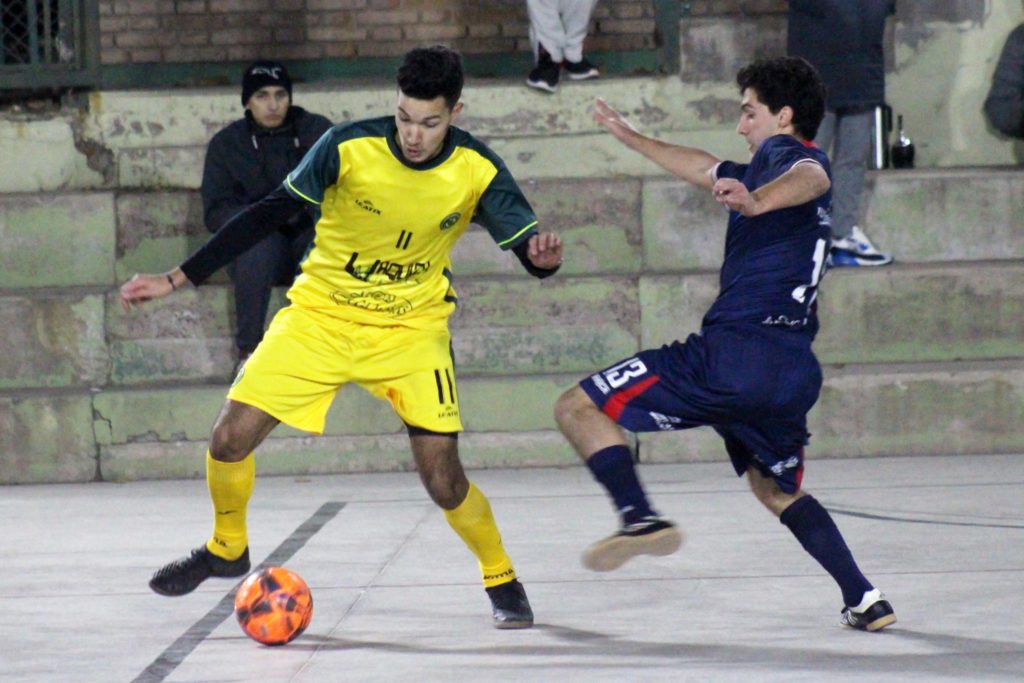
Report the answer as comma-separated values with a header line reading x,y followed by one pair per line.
x,y
397,597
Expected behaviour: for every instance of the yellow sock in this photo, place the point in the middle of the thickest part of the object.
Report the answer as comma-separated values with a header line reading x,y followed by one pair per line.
x,y
473,522
230,485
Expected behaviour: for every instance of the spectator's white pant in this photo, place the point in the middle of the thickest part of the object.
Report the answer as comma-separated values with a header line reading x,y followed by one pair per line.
x,y
560,26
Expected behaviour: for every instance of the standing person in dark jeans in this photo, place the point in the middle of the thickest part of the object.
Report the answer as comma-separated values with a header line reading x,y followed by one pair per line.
x,y
245,162
842,39
1004,105
750,372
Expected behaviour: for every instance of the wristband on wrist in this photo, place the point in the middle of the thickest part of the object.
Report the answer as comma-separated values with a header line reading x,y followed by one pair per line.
x,y
170,281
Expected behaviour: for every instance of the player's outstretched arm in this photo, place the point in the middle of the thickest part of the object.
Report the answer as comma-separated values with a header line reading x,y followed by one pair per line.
x,y
245,229
144,286
799,185
689,163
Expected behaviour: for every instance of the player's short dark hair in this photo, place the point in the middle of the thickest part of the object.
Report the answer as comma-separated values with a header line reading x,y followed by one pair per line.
x,y
429,72
788,81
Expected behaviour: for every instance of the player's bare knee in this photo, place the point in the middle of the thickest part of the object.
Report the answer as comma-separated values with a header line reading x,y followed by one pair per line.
x,y
569,406
775,499
226,449
768,492
769,502
447,492
229,441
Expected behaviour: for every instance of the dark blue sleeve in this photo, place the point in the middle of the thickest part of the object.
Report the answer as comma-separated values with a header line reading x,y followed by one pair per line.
x,y
781,153
730,169
317,171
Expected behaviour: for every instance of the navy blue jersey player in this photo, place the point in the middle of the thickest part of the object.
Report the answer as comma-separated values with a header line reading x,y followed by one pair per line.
x,y
749,372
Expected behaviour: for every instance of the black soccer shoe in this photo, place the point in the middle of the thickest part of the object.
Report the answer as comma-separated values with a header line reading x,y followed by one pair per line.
x,y
649,536
184,574
873,613
510,607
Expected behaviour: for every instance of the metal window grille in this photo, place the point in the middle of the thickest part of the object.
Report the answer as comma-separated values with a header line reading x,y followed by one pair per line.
x,y
46,43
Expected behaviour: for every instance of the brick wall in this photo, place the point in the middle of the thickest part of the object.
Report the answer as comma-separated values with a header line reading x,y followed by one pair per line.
x,y
709,8
184,31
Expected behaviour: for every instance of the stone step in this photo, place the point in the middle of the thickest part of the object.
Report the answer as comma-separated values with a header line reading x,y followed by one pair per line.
x,y
522,326
162,431
921,216
610,225
895,314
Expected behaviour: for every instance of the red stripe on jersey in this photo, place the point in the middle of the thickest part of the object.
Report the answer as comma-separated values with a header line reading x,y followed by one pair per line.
x,y
800,471
617,403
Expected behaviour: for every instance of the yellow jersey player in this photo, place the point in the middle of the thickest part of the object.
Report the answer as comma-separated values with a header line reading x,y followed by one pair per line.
x,y
370,306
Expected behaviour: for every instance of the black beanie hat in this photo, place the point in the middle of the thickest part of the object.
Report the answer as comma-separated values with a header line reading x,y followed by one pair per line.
x,y
263,73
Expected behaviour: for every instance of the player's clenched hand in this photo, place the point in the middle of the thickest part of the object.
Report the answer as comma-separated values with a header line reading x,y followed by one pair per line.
x,y
142,288
734,195
617,124
545,250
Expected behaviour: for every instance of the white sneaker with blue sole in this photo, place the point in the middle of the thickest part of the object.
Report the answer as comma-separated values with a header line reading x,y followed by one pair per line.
x,y
857,250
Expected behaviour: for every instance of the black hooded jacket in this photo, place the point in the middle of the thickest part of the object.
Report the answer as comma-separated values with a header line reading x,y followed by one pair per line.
x,y
1004,105
245,163
843,40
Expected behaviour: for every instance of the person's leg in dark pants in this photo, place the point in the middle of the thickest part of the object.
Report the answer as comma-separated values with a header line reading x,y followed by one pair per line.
x,y
253,274
300,245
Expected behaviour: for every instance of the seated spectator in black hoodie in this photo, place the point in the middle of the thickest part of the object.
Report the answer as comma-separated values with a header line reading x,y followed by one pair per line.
x,y
246,161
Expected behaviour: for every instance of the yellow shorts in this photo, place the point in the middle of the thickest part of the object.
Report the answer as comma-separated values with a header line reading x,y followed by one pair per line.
x,y
306,357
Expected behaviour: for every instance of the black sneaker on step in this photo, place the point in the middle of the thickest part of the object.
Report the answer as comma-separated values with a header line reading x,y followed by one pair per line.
x,y
649,536
184,574
872,614
581,70
509,605
545,74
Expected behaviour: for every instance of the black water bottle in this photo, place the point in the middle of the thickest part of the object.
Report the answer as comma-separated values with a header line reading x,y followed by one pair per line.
x,y
902,153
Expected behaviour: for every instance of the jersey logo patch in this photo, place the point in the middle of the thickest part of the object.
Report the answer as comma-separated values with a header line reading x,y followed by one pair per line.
x,y
367,205
376,301
384,271
450,220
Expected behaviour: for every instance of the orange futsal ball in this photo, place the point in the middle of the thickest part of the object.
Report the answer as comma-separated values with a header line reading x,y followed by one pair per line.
x,y
273,605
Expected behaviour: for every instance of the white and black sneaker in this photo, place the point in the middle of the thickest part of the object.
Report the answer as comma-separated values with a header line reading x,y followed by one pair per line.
x,y
581,70
856,249
872,614
649,536
544,75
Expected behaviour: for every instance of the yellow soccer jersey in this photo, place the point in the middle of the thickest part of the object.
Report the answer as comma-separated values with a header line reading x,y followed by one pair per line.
x,y
382,252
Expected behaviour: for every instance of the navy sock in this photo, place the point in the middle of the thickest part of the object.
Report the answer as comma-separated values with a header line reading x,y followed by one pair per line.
x,y
818,534
613,468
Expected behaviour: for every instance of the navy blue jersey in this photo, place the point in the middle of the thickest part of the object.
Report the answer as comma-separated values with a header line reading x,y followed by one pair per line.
x,y
773,262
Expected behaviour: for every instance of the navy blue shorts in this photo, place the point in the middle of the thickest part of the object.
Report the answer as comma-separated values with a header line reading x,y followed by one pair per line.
x,y
753,384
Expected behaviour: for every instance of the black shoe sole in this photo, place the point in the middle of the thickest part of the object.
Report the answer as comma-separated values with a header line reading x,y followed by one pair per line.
x,y
171,594
543,86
